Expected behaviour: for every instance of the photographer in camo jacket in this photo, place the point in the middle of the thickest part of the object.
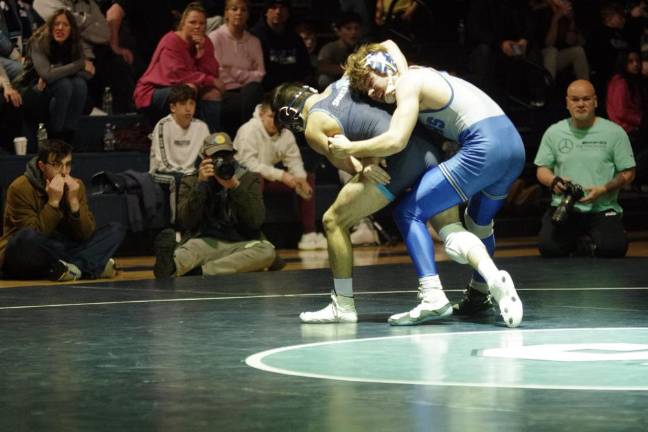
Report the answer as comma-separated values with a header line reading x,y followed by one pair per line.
x,y
595,154
220,213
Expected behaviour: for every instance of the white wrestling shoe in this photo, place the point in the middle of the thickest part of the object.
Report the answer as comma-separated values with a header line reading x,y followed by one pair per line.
x,y
428,310
340,310
510,305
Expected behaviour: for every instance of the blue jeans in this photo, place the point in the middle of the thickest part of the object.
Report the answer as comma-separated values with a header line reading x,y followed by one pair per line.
x,y
12,67
30,254
68,97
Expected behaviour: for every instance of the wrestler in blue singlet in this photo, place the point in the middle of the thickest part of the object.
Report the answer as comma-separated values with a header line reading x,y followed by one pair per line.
x,y
360,120
490,158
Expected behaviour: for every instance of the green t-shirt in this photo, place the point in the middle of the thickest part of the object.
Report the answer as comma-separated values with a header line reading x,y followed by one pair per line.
x,y
589,157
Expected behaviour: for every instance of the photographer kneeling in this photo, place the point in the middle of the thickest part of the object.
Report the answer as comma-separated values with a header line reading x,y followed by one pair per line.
x,y
585,160
220,212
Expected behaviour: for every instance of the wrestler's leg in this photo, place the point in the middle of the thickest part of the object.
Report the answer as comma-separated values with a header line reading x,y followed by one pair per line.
x,y
356,200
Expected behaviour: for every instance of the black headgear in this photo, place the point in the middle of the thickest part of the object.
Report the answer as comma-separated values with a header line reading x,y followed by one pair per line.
x,y
289,116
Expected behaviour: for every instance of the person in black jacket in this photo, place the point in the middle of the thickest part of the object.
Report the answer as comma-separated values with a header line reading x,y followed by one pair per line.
x,y
284,53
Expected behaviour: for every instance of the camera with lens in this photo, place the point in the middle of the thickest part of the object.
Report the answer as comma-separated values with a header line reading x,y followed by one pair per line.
x,y
573,193
218,147
224,165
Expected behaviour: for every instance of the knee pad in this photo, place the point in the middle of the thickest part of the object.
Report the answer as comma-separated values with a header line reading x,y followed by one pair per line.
x,y
458,242
481,231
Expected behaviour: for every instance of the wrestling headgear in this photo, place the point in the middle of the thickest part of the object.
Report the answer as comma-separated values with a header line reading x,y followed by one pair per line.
x,y
288,103
381,62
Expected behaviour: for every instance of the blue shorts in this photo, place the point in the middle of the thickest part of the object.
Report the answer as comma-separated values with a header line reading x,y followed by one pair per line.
x,y
491,157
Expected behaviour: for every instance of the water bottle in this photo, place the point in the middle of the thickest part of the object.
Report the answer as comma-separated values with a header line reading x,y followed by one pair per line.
x,y
41,135
109,138
107,101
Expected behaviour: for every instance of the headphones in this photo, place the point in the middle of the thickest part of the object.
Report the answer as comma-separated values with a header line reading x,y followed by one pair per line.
x,y
289,116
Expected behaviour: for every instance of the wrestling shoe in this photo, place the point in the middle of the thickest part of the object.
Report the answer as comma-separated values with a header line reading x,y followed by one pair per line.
x,y
473,303
432,307
63,271
340,310
364,234
510,305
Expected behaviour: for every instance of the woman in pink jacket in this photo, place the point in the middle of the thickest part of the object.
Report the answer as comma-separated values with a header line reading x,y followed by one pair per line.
x,y
185,56
241,65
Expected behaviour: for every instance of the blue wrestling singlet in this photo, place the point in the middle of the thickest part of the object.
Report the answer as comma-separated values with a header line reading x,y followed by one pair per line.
x,y
360,120
490,158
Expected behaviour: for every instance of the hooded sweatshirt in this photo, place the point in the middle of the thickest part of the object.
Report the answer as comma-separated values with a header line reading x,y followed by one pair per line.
x,y
26,207
260,152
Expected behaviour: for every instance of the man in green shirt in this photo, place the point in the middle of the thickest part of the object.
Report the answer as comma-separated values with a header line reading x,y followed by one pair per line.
x,y
594,153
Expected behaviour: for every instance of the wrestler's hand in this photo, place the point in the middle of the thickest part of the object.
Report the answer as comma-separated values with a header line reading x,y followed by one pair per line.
x,y
340,146
375,173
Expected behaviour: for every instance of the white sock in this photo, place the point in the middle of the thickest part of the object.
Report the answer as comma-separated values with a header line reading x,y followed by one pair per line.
x,y
432,291
343,287
483,263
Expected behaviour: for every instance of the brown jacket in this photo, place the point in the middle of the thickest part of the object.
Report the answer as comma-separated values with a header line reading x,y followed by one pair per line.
x,y
26,207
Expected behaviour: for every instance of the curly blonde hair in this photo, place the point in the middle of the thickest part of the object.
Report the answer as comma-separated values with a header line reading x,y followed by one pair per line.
x,y
355,66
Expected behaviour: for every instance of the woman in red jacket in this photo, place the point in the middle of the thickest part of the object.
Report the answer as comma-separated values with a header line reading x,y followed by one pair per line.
x,y
185,56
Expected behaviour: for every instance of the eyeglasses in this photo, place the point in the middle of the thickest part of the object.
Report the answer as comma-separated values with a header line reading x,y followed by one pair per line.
x,y
59,165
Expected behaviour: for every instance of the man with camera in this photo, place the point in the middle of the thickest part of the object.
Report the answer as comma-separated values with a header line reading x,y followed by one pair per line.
x,y
585,160
220,212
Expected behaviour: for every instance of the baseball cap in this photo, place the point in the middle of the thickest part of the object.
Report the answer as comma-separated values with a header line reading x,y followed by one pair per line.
x,y
219,141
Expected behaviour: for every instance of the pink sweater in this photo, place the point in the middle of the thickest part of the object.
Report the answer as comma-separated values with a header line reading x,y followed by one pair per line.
x,y
173,64
241,60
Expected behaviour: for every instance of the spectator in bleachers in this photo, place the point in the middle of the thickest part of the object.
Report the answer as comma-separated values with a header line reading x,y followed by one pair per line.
x,y
333,55
147,21
604,45
55,76
360,7
623,101
284,54
49,231
10,32
220,212
261,146
398,13
184,56
10,112
560,38
306,31
111,70
178,138
499,35
594,153
241,65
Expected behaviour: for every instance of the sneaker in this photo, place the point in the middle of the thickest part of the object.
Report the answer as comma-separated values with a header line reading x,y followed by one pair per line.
x,y
164,247
427,310
510,305
473,303
109,271
63,271
364,234
312,241
340,310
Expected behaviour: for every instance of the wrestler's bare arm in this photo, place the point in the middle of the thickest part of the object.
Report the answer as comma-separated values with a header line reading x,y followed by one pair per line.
x,y
321,126
397,55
